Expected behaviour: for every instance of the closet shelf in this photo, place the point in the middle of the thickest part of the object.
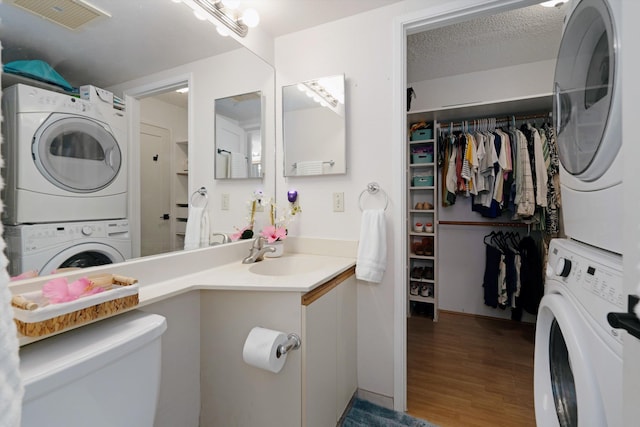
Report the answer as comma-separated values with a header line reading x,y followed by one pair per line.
x,y
422,142
417,298
418,211
414,256
431,187
421,165
423,234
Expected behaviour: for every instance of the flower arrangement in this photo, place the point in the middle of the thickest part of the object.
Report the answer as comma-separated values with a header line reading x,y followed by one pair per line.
x,y
276,229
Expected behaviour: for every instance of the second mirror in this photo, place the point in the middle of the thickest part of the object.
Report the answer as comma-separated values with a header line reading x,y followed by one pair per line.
x,y
314,127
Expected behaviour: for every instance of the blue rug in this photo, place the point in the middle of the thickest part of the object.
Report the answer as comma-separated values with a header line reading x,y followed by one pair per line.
x,y
365,414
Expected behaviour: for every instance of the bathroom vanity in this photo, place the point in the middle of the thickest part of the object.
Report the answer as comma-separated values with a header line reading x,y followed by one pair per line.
x,y
211,302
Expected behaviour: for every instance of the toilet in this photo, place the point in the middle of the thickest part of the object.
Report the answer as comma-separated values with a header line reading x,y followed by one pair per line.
x,y
103,374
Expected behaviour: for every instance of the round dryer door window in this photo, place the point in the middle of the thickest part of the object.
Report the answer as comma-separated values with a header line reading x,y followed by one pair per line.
x,y
584,92
76,154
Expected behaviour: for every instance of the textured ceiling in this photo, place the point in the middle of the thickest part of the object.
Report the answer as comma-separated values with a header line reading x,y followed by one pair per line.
x,y
515,37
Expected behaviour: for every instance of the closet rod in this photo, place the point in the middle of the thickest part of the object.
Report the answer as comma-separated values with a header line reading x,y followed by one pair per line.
x,y
485,223
499,119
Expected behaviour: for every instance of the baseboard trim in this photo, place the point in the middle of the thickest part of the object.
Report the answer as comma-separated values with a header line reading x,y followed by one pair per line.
x,y
378,399
483,316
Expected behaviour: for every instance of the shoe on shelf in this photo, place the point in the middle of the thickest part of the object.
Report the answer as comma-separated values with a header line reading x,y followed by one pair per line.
x,y
425,291
427,246
417,273
414,288
427,273
419,206
427,206
417,248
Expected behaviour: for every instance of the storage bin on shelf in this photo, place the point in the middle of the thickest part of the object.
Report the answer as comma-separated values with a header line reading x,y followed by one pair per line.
x,y
422,135
35,317
423,181
422,158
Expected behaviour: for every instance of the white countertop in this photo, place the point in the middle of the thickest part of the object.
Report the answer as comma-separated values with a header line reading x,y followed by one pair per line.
x,y
184,272
239,277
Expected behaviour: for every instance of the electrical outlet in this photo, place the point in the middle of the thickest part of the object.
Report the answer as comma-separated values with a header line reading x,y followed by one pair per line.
x,y
225,201
338,202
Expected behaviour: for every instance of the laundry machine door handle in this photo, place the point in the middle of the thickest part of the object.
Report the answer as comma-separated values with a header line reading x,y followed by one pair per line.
x,y
627,321
108,157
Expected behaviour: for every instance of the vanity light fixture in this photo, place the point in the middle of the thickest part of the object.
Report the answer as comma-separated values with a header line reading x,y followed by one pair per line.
x,y
222,14
319,93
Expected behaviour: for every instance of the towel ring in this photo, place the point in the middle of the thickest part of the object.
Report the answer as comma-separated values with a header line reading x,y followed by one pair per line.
x,y
202,192
373,188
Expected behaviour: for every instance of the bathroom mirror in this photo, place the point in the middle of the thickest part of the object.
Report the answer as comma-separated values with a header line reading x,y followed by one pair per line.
x,y
161,38
238,136
314,127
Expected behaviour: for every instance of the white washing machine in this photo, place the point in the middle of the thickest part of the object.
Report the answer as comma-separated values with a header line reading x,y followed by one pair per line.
x,y
587,109
65,158
46,247
578,355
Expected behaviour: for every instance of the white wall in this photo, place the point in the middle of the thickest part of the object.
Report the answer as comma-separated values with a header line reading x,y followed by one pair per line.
x,y
361,48
517,81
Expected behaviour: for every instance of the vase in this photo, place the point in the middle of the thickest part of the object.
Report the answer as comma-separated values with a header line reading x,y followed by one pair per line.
x,y
279,245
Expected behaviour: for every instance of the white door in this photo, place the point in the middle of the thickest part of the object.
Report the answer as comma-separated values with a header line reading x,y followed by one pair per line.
x,y
231,157
155,221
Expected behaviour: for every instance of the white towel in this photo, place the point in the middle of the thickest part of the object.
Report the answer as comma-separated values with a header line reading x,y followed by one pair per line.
x,y
372,249
313,167
222,166
238,165
197,232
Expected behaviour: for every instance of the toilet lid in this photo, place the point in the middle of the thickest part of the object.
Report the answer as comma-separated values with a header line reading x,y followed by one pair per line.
x,y
47,364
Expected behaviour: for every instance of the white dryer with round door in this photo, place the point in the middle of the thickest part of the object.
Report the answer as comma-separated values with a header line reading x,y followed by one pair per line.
x,y
587,109
578,355
47,247
65,158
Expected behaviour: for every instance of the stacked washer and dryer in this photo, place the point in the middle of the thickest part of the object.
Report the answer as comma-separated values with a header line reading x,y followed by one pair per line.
x,y
65,175
578,355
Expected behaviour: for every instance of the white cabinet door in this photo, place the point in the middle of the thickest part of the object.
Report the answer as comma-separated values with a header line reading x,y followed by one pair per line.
x,y
319,364
347,365
329,356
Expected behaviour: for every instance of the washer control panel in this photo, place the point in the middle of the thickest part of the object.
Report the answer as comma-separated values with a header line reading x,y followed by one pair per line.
x,y
36,237
593,276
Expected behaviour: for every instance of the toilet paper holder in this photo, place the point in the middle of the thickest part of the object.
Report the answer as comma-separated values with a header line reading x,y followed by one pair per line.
x,y
293,343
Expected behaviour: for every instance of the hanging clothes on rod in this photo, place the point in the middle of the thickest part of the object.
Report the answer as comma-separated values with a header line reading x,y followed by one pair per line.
x,y
503,168
513,273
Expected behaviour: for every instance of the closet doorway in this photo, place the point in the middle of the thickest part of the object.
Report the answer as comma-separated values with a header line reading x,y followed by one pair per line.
x,y
163,165
481,58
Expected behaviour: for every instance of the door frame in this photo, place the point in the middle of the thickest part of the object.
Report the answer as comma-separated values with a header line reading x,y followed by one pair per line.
x,y
132,97
445,13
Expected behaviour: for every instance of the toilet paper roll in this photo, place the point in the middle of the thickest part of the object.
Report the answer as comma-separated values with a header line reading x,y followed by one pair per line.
x,y
260,349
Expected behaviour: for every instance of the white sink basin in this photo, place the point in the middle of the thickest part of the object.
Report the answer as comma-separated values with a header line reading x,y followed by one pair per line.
x,y
285,266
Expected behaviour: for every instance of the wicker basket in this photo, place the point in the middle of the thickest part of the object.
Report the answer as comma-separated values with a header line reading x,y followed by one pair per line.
x,y
34,320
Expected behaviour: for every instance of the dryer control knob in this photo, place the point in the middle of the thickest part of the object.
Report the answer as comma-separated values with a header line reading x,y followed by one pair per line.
x,y
87,230
563,267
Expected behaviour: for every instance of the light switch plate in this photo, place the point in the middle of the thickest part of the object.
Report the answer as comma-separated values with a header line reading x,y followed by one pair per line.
x,y
225,201
338,202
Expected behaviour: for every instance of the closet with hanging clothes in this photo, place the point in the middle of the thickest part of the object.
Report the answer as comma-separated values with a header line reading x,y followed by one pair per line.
x,y
498,189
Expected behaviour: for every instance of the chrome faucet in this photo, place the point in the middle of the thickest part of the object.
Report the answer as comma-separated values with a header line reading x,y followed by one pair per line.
x,y
225,239
257,251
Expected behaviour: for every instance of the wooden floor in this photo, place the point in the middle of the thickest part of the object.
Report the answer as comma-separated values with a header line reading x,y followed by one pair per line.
x,y
470,371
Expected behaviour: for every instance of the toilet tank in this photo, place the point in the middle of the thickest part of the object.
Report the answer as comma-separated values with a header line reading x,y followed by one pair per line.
x,y
103,374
